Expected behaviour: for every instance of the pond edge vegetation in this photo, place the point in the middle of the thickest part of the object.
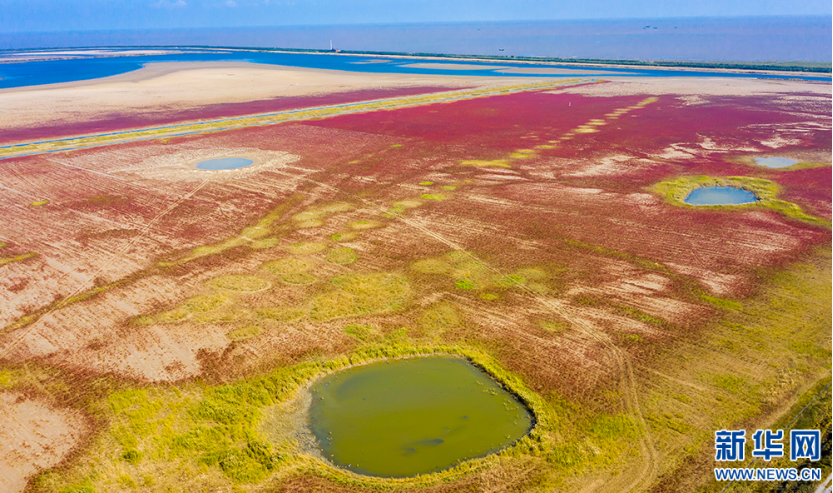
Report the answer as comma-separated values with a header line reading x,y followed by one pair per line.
x,y
222,437
675,191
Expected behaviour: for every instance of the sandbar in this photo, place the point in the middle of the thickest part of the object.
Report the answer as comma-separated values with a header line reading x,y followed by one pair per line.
x,y
178,86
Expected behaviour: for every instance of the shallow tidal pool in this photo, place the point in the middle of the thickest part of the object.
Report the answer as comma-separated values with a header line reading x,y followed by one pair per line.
x,y
775,162
720,196
405,417
224,163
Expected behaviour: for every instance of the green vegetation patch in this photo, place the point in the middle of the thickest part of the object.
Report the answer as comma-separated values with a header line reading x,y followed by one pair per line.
x,y
480,163
39,203
338,237
431,266
298,278
676,191
363,333
306,248
432,196
440,317
290,265
244,333
5,379
359,294
265,243
342,256
17,258
237,282
364,224
426,183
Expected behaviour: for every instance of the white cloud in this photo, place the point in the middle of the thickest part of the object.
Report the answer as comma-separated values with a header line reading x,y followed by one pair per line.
x,y
231,3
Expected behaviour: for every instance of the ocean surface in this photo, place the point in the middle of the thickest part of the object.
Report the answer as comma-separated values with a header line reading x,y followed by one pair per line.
x,y
728,39
704,39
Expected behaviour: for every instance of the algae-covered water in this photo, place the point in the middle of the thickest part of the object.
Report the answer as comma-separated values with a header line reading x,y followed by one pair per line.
x,y
224,163
720,196
413,416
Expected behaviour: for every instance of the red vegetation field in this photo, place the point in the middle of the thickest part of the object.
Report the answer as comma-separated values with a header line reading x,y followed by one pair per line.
x,y
557,184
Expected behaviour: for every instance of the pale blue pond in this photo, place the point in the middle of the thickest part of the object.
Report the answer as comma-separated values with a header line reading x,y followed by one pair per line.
x,y
224,163
720,196
775,162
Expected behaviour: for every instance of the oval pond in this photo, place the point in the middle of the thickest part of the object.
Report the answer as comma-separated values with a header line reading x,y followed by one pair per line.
x,y
224,163
413,416
720,196
775,162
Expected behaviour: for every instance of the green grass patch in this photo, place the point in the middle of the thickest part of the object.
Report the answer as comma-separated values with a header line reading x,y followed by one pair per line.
x,y
362,224
722,303
290,265
264,243
342,256
238,282
480,163
431,266
363,333
426,183
439,318
281,314
432,196
306,248
298,278
338,237
39,203
244,333
5,379
466,284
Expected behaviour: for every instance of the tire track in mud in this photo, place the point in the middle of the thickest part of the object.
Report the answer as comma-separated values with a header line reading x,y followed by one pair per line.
x,y
18,337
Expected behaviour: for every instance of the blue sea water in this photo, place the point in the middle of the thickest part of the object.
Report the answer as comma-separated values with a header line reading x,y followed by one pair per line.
x,y
710,39
720,196
54,71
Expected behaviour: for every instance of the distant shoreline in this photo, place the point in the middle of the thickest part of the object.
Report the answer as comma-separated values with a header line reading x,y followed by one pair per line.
x,y
716,66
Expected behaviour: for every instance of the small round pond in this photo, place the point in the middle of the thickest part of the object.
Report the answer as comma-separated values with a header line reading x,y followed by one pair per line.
x,y
720,196
224,163
775,162
401,418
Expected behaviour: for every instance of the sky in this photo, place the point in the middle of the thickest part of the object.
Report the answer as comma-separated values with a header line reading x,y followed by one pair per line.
x,y
95,15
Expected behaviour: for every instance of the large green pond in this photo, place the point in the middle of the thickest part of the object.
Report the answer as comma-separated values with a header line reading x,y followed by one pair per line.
x,y
413,416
